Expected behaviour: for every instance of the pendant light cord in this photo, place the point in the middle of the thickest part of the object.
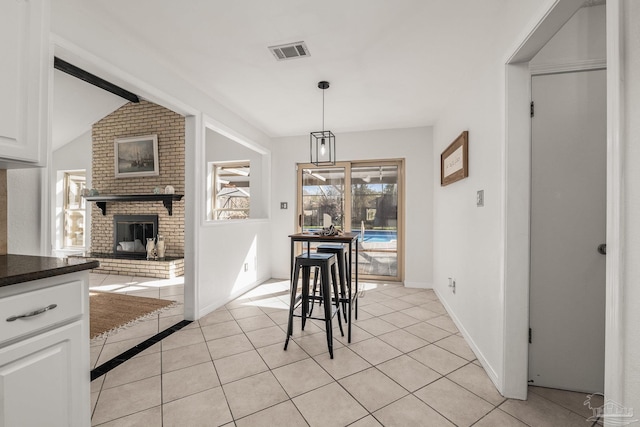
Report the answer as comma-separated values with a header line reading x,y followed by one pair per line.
x,y
323,111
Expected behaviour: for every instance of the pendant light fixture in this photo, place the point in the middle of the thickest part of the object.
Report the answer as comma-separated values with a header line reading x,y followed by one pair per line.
x,y
322,144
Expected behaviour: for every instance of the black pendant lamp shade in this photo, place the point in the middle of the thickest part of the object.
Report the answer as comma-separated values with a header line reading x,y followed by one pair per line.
x,y
322,144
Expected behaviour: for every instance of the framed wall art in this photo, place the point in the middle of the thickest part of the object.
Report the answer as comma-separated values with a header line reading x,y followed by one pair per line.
x,y
136,156
454,160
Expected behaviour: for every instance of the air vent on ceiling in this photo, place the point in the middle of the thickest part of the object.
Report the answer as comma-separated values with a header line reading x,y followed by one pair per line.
x,y
290,51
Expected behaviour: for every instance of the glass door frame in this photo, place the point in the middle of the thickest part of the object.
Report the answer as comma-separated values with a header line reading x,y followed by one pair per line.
x,y
347,166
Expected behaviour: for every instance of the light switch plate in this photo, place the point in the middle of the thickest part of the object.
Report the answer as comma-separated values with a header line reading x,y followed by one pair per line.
x,y
480,198
284,205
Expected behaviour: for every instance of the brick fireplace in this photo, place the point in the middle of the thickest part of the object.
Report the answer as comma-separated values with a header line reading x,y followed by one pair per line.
x,y
130,234
136,119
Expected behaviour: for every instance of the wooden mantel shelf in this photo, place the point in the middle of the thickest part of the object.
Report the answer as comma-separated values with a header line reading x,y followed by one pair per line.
x,y
167,200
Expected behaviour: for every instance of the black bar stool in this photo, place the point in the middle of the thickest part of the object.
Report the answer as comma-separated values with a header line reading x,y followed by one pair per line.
x,y
343,262
326,263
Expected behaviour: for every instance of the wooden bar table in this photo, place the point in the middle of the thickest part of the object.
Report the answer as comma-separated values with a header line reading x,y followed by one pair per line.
x,y
350,239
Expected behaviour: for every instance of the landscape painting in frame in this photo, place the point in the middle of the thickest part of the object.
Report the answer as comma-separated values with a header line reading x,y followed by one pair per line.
x,y
136,156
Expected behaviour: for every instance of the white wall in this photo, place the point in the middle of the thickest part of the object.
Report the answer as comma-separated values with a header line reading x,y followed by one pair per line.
x,y
75,155
210,252
470,239
220,148
224,249
580,40
414,144
631,196
233,255
24,211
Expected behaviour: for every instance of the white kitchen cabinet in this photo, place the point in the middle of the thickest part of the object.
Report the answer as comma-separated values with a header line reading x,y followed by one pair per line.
x,y
44,358
37,378
24,82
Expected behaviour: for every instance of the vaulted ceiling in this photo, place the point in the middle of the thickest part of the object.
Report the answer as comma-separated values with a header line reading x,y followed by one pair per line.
x,y
391,64
76,106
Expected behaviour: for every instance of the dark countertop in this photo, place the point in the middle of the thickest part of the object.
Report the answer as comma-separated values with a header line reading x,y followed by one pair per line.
x,y
23,268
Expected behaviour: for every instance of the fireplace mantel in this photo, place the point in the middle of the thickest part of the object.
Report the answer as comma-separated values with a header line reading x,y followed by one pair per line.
x,y
167,200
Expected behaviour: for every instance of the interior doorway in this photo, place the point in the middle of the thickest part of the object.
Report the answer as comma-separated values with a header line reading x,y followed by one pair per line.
x,y
568,225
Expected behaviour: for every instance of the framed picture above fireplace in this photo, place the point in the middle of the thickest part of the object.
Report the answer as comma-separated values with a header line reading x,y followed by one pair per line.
x,y
136,156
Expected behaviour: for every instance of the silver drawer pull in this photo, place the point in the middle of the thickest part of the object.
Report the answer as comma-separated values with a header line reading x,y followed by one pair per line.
x,y
32,313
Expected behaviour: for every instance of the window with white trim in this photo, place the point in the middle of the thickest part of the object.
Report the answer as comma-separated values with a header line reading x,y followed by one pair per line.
x,y
231,190
74,209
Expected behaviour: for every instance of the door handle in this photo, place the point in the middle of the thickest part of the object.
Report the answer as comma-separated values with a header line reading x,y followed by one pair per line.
x,y
602,249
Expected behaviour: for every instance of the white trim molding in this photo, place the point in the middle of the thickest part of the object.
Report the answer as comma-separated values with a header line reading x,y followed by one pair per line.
x,y
568,67
194,147
614,328
418,285
516,189
518,78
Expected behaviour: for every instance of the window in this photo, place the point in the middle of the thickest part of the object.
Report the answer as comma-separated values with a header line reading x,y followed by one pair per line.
x,y
231,190
74,209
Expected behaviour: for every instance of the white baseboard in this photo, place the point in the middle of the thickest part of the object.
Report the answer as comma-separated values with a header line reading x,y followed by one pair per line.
x,y
419,285
491,373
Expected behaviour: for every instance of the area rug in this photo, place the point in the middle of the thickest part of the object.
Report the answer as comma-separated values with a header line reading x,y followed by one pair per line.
x,y
110,312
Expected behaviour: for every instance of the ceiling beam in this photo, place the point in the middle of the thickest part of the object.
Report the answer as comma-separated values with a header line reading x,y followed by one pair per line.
x,y
81,74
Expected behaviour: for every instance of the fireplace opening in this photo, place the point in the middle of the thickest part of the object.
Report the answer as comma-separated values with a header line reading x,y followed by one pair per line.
x,y
130,234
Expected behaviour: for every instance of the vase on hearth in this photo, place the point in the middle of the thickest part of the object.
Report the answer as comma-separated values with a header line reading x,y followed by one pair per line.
x,y
151,249
160,247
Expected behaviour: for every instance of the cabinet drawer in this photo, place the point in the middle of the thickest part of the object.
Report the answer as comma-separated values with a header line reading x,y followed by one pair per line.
x,y
67,297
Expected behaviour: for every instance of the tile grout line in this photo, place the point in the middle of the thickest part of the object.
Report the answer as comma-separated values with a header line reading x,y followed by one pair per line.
x,y
412,393
561,405
375,366
428,343
213,363
269,369
377,369
333,380
102,346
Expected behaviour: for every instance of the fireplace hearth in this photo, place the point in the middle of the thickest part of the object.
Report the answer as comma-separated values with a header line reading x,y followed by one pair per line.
x,y
130,234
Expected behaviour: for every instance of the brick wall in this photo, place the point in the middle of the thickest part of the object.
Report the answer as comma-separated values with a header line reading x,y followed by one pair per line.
x,y
139,267
130,120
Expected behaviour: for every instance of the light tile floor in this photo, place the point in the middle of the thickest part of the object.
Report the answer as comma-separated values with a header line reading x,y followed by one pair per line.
x,y
407,365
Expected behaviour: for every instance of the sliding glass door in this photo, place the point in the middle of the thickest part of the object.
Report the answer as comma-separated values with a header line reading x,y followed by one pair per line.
x,y
374,213
364,197
323,198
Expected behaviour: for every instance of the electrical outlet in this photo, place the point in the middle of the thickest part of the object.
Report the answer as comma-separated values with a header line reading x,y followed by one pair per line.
x,y
452,284
284,205
480,198
246,266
